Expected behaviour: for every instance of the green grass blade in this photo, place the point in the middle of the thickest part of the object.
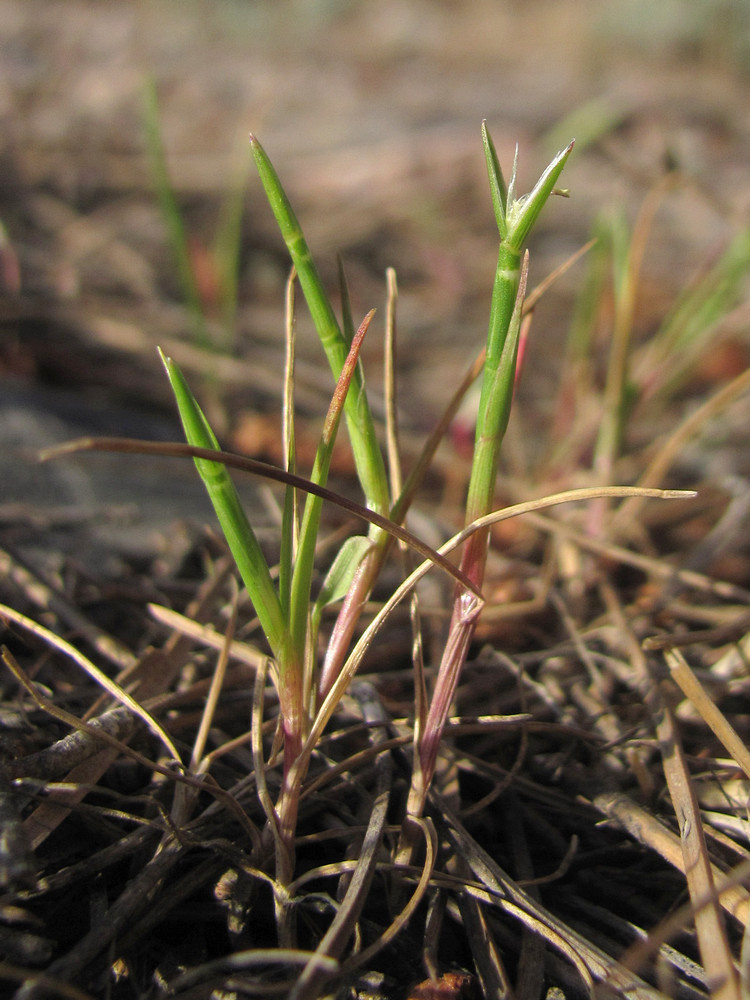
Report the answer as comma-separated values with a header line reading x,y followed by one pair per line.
x,y
173,217
304,562
682,337
231,516
227,248
524,212
506,313
340,575
367,454
498,187
495,403
290,511
497,384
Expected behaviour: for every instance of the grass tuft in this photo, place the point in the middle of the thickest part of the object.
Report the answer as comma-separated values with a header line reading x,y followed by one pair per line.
x,y
352,825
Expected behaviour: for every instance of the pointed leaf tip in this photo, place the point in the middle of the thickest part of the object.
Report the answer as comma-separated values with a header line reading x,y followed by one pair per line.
x,y
523,213
498,187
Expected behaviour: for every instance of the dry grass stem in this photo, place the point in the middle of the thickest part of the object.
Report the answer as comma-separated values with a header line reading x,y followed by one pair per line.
x,y
670,450
713,942
113,689
692,688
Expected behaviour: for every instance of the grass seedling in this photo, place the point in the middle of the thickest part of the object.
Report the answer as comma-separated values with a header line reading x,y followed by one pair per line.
x,y
291,631
515,218
289,615
368,457
287,626
289,620
348,777
367,454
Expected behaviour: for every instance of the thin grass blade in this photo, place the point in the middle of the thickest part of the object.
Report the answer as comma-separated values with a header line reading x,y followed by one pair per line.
x,y
173,217
290,513
239,534
228,245
134,446
498,187
309,528
523,212
494,410
367,454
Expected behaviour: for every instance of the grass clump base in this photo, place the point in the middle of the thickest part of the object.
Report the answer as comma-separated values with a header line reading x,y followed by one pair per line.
x,y
296,790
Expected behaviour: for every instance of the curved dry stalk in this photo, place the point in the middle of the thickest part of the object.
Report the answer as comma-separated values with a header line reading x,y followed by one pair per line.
x,y
500,890
254,467
692,688
671,448
241,960
299,768
431,845
207,635
110,686
342,926
529,506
